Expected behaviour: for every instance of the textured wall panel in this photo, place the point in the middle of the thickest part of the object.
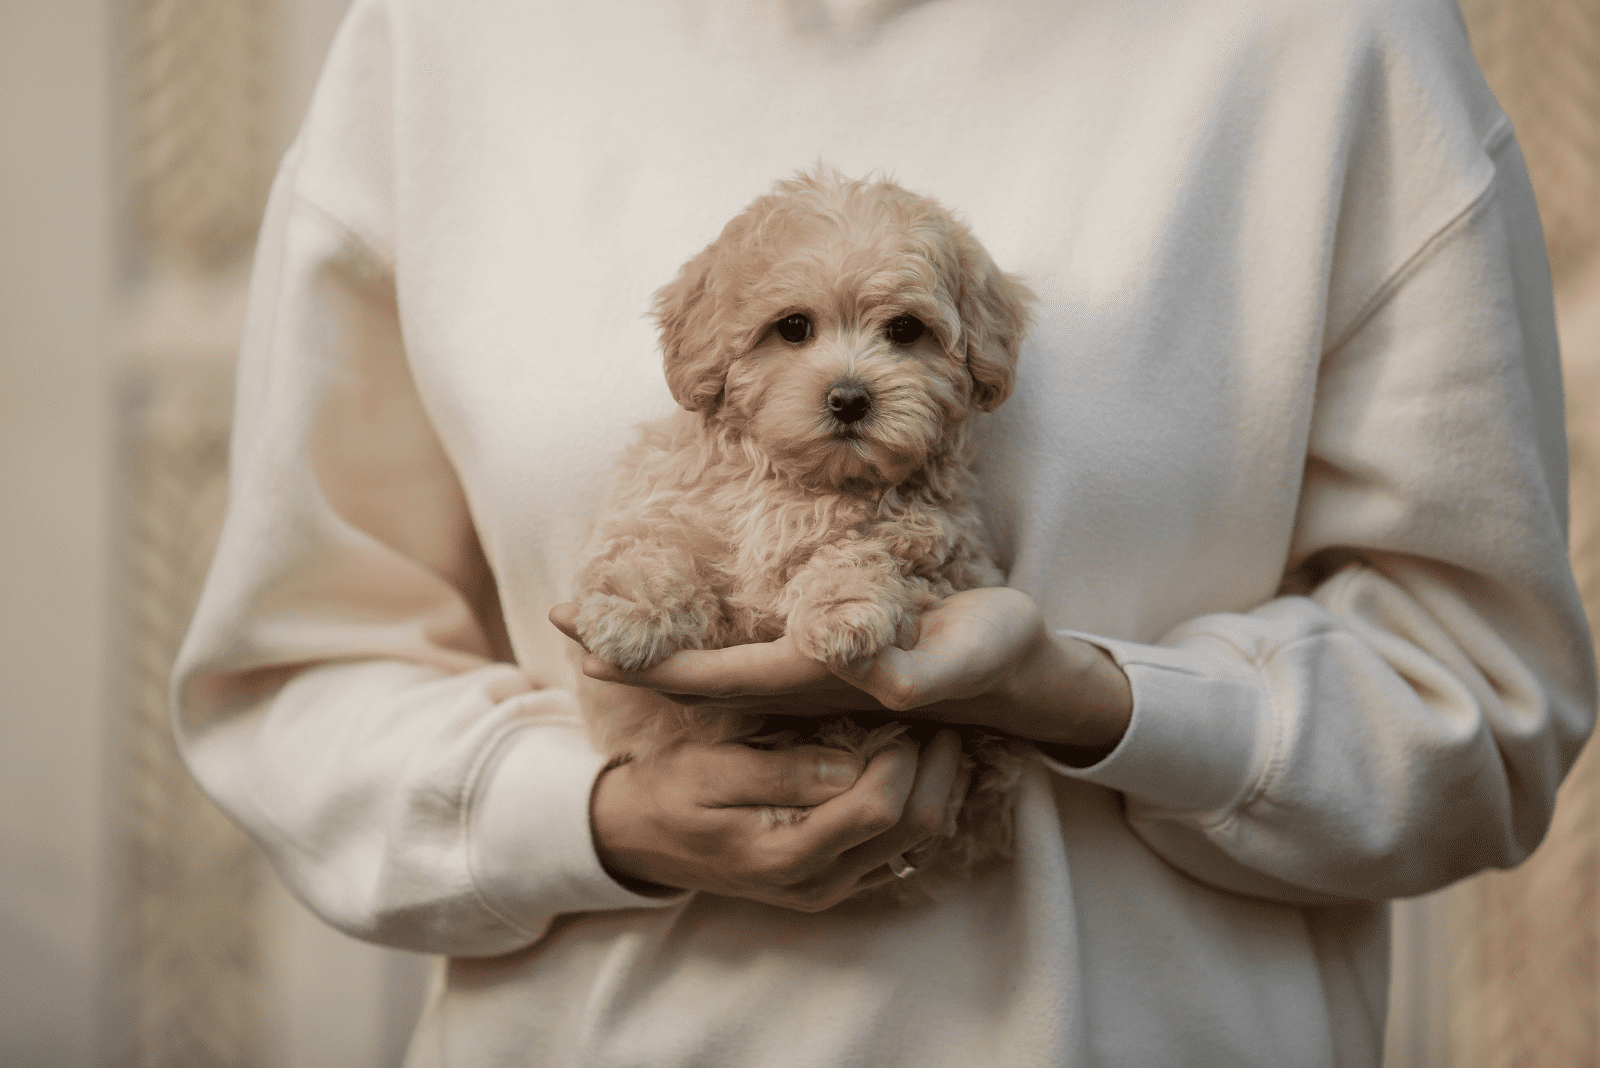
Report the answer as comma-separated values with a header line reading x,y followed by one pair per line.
x,y
200,99
184,985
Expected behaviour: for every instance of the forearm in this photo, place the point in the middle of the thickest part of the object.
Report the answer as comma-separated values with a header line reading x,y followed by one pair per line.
x,y
436,813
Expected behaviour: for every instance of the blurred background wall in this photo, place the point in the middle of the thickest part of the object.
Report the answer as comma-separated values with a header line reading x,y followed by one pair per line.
x,y
1504,969
55,347
138,928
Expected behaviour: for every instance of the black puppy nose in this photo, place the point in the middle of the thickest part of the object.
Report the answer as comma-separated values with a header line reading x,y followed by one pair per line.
x,y
849,404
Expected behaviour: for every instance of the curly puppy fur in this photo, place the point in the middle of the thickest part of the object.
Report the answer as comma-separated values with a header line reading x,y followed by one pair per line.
x,y
829,351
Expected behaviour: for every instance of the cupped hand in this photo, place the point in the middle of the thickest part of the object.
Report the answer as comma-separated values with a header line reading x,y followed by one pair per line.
x,y
690,817
763,675
984,657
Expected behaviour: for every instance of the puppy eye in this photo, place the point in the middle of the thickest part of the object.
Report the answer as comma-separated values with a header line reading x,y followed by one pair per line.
x,y
903,329
794,328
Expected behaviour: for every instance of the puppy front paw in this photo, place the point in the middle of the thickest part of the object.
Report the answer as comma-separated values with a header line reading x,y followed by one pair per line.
x,y
634,635
839,632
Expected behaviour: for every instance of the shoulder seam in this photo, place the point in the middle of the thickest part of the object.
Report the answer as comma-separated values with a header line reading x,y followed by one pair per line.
x,y
1498,135
369,242
1496,139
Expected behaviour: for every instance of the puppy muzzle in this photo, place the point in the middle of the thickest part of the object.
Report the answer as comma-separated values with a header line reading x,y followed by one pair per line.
x,y
849,403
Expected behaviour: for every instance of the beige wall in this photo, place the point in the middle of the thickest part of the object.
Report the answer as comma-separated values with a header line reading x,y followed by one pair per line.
x,y
55,344
73,319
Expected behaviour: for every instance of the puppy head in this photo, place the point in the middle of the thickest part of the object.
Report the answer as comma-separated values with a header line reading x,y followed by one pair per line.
x,y
848,327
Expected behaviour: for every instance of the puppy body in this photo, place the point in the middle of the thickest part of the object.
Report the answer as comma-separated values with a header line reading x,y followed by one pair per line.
x,y
704,547
829,351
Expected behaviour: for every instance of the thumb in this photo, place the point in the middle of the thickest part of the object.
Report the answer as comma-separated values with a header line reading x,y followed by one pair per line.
x,y
565,618
892,678
733,775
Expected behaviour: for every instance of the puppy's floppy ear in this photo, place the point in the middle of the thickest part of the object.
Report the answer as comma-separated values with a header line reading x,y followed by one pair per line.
x,y
995,316
693,337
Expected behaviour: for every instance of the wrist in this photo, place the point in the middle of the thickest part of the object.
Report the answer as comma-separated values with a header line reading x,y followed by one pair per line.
x,y
1070,696
612,818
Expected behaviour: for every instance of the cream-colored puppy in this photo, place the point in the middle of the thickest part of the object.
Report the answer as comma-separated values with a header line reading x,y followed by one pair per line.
x,y
829,351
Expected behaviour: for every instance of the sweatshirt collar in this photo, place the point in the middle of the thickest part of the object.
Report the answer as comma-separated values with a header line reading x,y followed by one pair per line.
x,y
845,21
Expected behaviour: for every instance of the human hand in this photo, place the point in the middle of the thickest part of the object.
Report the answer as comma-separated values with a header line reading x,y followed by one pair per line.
x,y
689,817
984,657
771,676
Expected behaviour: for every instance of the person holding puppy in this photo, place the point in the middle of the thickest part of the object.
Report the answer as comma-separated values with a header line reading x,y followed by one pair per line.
x,y
1280,497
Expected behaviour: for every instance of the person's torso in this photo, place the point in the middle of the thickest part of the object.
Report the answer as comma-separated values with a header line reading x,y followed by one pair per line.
x,y
1172,180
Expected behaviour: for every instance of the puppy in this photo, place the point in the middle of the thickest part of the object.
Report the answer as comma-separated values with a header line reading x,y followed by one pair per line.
x,y
829,351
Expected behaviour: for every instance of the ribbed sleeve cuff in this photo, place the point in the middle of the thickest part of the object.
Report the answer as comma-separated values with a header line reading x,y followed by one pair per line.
x,y
532,853
1200,732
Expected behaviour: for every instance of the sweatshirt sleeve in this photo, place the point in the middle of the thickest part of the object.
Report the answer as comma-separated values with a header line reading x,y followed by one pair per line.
x,y
343,692
1402,715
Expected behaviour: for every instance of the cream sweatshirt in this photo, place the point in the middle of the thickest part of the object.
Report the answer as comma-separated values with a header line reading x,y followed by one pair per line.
x,y
1287,441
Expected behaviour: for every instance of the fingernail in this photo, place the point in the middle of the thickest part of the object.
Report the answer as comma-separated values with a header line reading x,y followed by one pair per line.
x,y
837,771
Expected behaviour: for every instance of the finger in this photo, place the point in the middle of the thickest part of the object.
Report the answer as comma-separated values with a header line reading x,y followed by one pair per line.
x,y
869,808
688,700
733,775
766,669
883,874
760,704
761,669
938,778
891,678
565,618
967,642
803,705
957,798
879,876
918,679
